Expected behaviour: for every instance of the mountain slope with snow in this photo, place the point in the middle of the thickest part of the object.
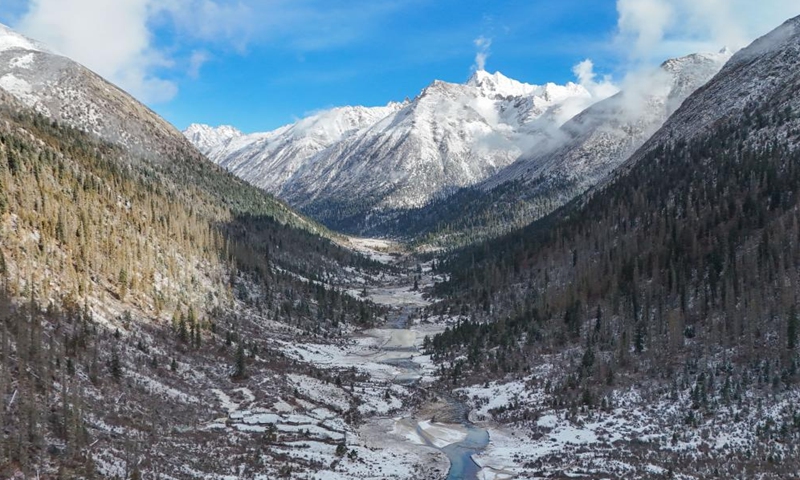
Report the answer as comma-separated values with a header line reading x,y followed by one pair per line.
x,y
63,90
349,165
596,141
760,71
269,159
583,152
207,138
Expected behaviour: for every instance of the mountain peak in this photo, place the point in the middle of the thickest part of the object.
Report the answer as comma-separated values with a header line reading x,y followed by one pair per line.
x,y
200,127
9,39
482,76
497,83
689,61
206,137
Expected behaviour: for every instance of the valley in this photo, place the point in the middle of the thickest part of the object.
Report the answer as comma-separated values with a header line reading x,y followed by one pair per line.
x,y
576,280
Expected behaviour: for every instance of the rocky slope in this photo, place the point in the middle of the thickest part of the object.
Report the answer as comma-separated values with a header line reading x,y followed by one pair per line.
x,y
68,92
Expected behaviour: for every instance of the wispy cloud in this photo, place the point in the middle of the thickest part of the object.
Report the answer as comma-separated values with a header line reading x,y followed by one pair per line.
x,y
196,62
109,37
655,29
146,44
483,45
587,78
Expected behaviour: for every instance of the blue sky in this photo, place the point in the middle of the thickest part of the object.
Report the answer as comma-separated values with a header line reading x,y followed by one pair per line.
x,y
395,57
259,64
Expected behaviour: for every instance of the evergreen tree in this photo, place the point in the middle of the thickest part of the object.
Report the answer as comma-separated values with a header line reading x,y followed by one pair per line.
x,y
183,332
116,365
240,369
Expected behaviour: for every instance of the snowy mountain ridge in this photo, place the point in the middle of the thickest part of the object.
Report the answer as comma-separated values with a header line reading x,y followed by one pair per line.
x,y
9,39
206,138
348,163
595,142
269,159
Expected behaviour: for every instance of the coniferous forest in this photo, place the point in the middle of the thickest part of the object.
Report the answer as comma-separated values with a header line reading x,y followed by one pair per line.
x,y
160,318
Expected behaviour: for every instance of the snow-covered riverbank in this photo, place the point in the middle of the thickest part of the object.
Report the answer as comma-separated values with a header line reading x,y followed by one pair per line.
x,y
394,371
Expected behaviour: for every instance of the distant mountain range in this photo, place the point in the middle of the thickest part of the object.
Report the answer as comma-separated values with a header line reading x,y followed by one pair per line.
x,y
524,149
349,165
579,155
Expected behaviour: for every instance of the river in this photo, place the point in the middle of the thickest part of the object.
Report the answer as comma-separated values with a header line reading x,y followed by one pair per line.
x,y
403,339
452,434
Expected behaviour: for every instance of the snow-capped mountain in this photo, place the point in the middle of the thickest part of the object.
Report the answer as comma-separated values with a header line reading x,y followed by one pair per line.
x,y
346,163
591,145
65,91
270,159
764,70
583,152
207,138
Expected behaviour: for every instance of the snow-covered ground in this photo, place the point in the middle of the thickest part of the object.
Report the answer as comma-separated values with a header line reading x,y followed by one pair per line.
x,y
390,366
608,442
375,248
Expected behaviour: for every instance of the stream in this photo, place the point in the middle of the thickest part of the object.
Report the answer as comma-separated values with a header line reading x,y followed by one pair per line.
x,y
401,342
462,466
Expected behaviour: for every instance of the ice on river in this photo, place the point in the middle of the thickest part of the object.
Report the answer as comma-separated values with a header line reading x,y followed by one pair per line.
x,y
442,435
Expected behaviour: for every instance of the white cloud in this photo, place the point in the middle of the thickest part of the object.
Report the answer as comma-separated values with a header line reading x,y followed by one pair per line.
x,y
117,38
652,30
230,22
643,23
110,37
483,45
196,62
584,72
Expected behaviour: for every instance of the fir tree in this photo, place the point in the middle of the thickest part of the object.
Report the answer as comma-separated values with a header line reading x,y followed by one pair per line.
x,y
240,369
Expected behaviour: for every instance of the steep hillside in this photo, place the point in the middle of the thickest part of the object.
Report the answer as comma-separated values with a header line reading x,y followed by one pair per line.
x,y
111,270
665,298
144,291
583,152
348,167
67,92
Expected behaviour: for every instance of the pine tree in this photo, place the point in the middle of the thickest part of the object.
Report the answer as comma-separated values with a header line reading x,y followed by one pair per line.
x,y
183,333
197,336
122,281
241,363
116,365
